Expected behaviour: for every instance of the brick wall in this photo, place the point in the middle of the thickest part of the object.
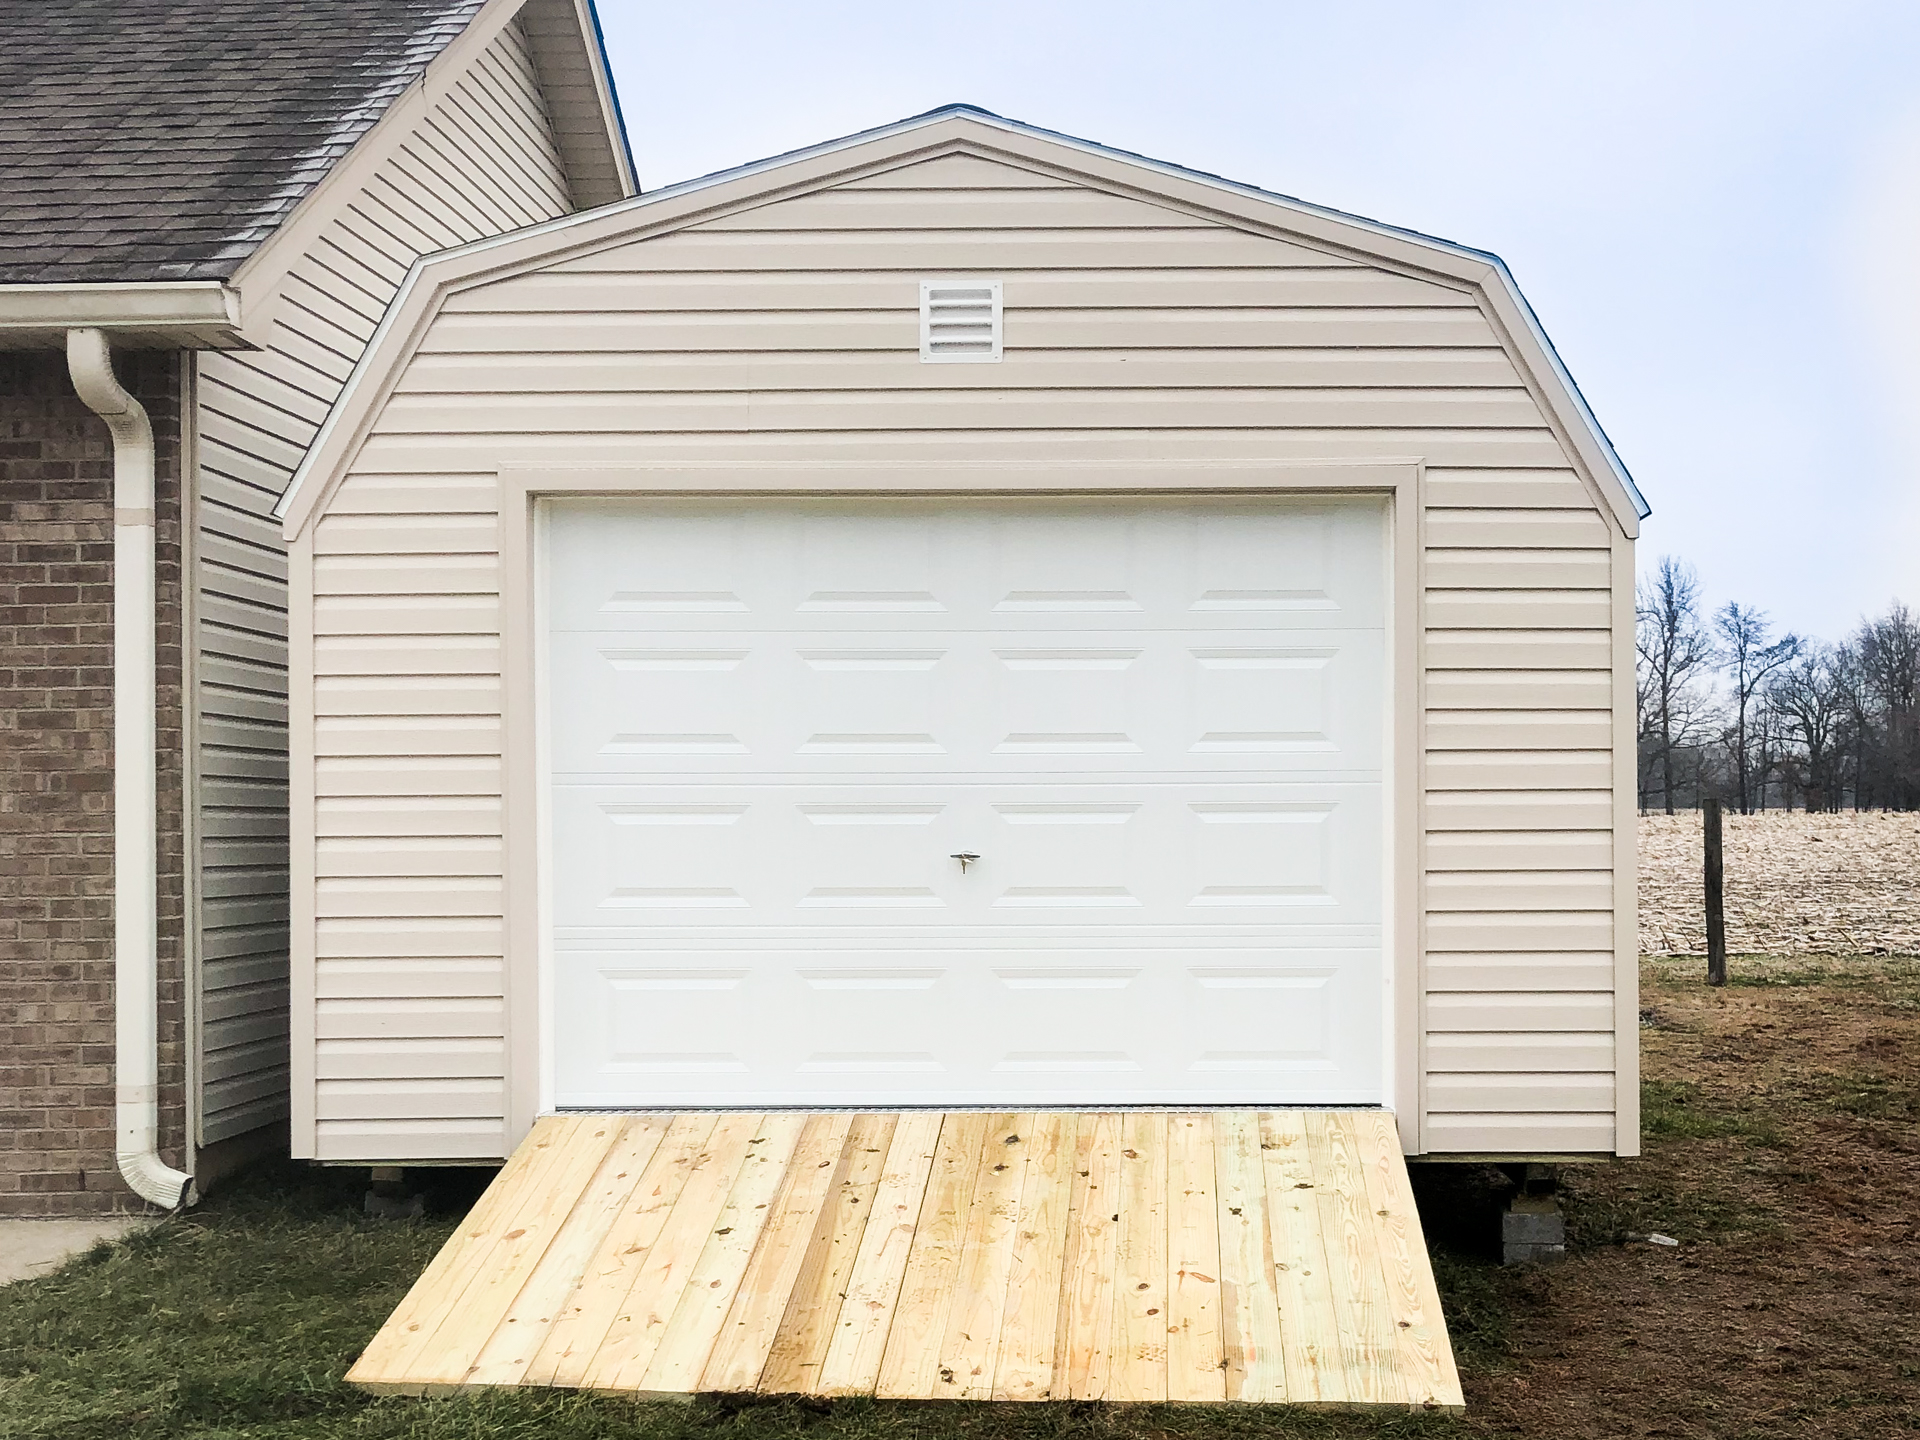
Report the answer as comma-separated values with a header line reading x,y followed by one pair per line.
x,y
56,786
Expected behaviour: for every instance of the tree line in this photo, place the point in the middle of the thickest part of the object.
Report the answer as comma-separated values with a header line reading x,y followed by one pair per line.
x,y
1730,708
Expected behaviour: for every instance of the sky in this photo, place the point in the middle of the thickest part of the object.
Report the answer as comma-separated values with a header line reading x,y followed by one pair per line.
x,y
1714,207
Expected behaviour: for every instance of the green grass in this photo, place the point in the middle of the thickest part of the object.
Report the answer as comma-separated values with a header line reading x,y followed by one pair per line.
x,y
239,1319
1680,1110
1870,1096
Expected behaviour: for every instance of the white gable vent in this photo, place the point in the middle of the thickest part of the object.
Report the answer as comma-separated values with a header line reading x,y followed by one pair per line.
x,y
959,320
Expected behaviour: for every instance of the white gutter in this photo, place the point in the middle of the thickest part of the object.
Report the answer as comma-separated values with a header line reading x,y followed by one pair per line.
x,y
158,314
136,958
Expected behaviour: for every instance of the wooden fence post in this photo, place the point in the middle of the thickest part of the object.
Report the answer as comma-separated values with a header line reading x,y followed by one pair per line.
x,y
1716,906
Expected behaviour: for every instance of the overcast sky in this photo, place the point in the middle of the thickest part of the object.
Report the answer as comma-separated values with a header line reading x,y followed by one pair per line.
x,y
1714,207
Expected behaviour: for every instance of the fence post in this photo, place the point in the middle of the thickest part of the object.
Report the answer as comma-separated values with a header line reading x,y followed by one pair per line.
x,y
1716,906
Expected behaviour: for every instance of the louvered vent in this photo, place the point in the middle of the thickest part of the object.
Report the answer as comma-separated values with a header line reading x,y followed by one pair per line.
x,y
959,320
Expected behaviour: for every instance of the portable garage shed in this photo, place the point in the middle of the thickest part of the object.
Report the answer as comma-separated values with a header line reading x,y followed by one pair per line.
x,y
961,616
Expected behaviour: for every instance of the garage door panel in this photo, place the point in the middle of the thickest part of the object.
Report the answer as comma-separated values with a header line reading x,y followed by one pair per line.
x,y
1057,856
864,564
961,704
1155,729
1019,1026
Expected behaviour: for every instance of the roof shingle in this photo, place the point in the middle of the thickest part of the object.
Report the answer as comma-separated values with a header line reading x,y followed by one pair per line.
x,y
167,139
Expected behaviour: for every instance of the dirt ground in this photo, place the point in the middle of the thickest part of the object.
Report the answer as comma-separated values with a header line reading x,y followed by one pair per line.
x,y
1783,1151
1796,884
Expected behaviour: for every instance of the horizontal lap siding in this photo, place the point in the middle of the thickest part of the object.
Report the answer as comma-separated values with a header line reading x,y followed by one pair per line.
x,y
788,332
408,849
1519,1000
481,162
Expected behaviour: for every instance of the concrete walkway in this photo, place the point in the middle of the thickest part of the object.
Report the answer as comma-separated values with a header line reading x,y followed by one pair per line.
x,y
39,1247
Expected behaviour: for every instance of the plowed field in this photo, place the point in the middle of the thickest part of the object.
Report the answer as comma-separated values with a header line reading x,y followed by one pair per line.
x,y
1795,884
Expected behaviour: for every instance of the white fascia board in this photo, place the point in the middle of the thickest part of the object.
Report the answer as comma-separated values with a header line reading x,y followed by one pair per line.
x,y
1461,261
142,305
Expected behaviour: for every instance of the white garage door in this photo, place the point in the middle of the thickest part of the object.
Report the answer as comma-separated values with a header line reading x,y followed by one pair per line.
x,y
774,724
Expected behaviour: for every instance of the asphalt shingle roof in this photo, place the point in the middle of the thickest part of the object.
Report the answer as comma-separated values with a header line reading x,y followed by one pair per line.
x,y
166,139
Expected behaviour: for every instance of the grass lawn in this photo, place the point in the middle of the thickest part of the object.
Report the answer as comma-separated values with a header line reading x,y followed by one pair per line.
x,y
1783,1137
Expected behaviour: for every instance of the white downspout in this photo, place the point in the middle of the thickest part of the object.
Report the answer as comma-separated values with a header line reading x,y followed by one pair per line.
x,y
136,955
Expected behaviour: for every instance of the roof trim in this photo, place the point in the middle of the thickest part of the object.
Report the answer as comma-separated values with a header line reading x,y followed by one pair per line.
x,y
141,314
616,116
1393,243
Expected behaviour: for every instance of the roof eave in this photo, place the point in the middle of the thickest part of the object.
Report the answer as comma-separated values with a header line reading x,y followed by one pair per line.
x,y
138,315
609,95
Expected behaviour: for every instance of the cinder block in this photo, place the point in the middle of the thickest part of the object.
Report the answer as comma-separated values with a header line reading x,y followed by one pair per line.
x,y
1533,1231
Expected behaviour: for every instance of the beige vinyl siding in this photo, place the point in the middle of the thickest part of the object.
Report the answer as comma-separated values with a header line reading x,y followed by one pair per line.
x,y
1519,824
483,160
788,333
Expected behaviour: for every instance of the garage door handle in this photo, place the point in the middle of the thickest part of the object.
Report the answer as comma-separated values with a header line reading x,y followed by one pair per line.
x,y
966,858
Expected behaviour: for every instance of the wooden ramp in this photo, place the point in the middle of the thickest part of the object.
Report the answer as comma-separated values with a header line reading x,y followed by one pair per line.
x,y
1224,1256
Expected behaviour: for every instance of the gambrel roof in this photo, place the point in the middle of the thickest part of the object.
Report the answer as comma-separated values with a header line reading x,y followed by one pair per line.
x,y
964,129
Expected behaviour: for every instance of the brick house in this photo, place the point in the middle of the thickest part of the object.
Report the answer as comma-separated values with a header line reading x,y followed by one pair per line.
x,y
205,208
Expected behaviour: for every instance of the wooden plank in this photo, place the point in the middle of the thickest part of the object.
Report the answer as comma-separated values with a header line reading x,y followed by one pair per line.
x,y
504,1267
1030,1323
504,1359
576,1332
1368,1354
693,1329
1250,1304
933,1263
1082,1354
854,1358
1309,1336
1195,1353
760,1299
812,1315
1140,1262
641,1320
970,1349
403,1340
1141,1256
1418,1326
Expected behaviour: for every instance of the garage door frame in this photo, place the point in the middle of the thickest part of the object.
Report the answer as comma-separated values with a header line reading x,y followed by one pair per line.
x,y
526,912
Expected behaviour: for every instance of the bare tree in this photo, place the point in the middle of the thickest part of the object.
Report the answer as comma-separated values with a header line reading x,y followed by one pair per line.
x,y
1749,655
1887,659
1675,658
1808,696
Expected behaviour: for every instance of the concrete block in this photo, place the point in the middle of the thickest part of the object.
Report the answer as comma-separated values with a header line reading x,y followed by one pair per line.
x,y
1533,1231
